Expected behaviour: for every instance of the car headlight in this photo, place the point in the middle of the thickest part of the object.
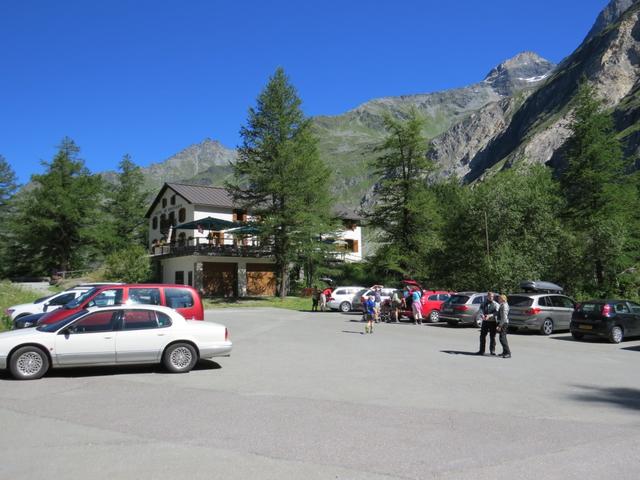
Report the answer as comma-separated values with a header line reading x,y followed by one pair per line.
x,y
27,324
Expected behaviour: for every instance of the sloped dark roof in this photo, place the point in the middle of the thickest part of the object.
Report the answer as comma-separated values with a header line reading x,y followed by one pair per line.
x,y
220,197
196,195
202,195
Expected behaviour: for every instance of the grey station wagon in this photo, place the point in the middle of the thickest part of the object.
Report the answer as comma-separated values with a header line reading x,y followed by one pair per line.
x,y
463,308
540,311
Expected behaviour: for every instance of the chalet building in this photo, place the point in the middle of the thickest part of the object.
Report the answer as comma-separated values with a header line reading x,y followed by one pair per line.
x,y
198,237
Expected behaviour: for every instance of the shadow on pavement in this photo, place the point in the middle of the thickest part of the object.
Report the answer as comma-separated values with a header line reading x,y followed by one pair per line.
x,y
632,349
352,331
78,372
569,338
621,397
458,352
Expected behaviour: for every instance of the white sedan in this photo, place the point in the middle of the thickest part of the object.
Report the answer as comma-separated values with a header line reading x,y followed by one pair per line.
x,y
116,335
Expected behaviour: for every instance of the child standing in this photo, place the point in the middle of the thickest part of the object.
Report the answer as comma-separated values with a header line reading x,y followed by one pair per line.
x,y
370,308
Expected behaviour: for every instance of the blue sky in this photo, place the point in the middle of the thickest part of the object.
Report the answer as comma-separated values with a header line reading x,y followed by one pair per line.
x,y
149,78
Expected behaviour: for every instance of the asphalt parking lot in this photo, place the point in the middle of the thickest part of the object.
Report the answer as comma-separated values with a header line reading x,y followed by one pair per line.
x,y
307,395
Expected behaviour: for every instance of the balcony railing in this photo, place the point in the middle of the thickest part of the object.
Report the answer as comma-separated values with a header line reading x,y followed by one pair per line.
x,y
202,246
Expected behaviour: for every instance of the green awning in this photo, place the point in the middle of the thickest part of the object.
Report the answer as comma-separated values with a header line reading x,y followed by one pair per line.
x,y
209,223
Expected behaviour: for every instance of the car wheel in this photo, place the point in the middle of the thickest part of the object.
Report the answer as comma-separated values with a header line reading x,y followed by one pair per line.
x,y
345,307
434,316
478,321
547,327
577,335
180,357
616,334
28,363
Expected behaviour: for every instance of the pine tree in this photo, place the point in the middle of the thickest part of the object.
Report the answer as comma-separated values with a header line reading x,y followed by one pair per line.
x,y
8,182
601,199
55,225
405,208
279,177
126,205
8,188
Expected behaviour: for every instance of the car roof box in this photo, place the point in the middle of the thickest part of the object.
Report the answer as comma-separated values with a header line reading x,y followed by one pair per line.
x,y
540,287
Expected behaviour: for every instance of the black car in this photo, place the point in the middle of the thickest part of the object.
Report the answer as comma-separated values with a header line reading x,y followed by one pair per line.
x,y
612,319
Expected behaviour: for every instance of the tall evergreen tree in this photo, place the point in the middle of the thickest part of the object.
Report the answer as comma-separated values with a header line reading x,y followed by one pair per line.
x,y
601,198
126,205
55,226
8,188
404,209
279,176
8,182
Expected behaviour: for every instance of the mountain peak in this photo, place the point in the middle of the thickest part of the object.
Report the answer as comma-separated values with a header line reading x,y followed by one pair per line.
x,y
522,70
609,15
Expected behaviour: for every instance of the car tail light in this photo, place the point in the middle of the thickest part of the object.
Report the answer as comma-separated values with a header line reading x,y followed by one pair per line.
x,y
330,299
226,334
533,311
8,311
460,308
606,310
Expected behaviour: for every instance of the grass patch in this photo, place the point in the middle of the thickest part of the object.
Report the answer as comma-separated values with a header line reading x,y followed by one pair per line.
x,y
289,303
11,294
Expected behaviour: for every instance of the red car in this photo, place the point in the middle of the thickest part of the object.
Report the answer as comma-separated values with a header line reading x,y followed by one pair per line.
x,y
182,298
432,301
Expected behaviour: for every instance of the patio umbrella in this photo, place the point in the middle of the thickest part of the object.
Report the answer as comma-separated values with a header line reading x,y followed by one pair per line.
x,y
245,230
209,223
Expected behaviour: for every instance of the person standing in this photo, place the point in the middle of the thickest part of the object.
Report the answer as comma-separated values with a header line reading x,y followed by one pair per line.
x,y
395,306
323,300
489,313
370,305
503,325
315,298
377,298
416,306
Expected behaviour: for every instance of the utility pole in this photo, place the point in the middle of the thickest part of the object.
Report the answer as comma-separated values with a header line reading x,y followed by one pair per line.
x,y
486,231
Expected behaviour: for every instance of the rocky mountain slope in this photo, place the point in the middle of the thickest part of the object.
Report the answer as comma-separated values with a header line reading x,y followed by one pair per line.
x,y
537,130
347,141
518,113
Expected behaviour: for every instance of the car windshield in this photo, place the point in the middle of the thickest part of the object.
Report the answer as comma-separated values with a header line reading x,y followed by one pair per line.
x,y
519,301
80,300
458,299
54,327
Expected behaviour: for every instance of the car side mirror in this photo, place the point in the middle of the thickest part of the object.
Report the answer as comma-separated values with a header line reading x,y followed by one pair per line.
x,y
45,307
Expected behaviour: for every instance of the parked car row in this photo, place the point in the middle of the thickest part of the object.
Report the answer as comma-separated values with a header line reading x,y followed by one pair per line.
x,y
111,324
541,307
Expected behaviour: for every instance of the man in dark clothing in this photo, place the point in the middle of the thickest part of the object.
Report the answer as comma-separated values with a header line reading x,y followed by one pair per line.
x,y
489,311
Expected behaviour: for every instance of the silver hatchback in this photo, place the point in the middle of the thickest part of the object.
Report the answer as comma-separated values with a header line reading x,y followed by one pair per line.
x,y
543,312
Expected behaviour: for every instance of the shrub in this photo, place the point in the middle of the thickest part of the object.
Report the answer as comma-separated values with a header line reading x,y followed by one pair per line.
x,y
130,265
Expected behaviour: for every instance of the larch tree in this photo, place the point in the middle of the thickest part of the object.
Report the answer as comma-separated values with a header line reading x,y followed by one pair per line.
x,y
404,209
56,226
279,176
602,199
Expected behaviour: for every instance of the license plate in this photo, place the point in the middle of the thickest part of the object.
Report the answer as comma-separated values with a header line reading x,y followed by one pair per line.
x,y
586,327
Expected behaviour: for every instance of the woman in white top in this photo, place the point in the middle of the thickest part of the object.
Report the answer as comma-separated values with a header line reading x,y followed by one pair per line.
x,y
503,325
